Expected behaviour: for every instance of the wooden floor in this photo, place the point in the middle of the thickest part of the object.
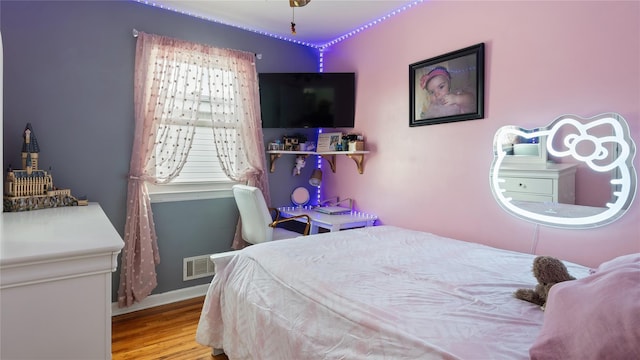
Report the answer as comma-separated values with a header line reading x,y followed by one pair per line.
x,y
162,332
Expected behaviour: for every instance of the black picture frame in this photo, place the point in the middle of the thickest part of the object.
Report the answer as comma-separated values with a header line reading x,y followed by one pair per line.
x,y
463,71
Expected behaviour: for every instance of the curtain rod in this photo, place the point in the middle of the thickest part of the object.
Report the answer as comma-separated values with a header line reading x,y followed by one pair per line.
x,y
135,35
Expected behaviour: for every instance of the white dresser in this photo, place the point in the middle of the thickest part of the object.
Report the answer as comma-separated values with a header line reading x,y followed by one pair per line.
x,y
540,183
55,283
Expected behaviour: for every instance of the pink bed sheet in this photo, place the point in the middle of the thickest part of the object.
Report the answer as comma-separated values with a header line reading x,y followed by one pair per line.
x,y
373,293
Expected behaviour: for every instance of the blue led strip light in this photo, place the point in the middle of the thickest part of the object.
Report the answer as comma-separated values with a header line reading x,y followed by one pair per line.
x,y
315,46
369,24
319,158
319,166
160,6
320,59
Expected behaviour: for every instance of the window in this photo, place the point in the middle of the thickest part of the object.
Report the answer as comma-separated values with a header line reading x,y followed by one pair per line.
x,y
202,176
202,163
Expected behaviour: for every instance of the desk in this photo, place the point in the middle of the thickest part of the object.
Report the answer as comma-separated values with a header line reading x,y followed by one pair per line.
x,y
332,222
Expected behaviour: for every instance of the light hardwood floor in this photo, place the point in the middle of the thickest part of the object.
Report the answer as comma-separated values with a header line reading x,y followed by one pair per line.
x,y
162,332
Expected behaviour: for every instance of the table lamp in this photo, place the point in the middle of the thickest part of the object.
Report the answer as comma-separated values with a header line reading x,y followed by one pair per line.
x,y
316,178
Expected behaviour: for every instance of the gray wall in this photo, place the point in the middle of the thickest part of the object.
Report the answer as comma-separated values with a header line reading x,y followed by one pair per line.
x,y
68,69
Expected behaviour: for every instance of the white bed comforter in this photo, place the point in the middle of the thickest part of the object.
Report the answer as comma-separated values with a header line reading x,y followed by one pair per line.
x,y
373,293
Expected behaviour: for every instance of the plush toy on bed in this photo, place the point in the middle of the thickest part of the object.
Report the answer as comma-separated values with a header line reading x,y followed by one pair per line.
x,y
548,271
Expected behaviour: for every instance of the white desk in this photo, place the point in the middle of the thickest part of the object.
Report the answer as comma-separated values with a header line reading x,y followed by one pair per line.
x,y
332,222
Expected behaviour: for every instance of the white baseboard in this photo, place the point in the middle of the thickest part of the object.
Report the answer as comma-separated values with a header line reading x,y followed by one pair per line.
x,y
161,299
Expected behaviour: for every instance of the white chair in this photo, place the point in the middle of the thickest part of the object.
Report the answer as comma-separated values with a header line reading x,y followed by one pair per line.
x,y
258,225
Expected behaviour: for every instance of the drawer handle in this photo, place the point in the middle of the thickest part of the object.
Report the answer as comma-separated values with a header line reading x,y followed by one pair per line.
x,y
522,185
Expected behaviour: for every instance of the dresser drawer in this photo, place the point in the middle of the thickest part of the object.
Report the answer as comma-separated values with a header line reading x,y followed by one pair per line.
x,y
522,196
529,185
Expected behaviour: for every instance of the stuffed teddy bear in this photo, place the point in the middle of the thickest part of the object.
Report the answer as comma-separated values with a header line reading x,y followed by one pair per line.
x,y
548,271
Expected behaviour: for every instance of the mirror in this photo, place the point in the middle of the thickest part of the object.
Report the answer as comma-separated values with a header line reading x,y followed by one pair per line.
x,y
574,173
300,196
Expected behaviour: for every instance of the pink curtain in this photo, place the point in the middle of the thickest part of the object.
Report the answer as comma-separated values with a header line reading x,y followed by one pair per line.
x,y
237,130
173,80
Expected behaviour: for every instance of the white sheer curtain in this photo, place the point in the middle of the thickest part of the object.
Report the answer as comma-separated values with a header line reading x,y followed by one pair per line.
x,y
179,85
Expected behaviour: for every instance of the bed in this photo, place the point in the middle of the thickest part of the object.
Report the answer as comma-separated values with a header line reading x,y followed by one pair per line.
x,y
376,293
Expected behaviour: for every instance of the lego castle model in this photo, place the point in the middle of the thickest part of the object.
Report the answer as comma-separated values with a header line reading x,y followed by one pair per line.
x,y
32,188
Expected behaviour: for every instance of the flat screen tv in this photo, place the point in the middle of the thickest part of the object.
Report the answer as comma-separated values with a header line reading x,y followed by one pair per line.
x,y
307,100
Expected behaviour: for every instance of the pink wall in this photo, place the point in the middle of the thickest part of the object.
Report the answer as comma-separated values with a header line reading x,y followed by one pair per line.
x,y
543,60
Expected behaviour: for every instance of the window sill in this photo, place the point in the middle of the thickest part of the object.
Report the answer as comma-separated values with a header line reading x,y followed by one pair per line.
x,y
188,192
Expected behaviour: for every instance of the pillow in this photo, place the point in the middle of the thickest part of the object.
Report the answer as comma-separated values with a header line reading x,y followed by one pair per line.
x,y
596,317
619,261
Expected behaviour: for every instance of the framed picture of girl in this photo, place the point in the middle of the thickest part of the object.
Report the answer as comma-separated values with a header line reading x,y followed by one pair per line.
x,y
447,88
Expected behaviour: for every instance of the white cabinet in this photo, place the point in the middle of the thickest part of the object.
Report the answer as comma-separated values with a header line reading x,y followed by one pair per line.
x,y
540,183
55,288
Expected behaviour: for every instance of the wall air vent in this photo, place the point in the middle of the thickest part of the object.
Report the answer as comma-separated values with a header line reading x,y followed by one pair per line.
x,y
197,267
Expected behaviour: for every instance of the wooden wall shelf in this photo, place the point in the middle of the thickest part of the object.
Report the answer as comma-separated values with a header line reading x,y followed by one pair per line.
x,y
330,156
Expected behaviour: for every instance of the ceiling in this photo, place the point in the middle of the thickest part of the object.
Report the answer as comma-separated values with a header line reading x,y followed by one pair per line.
x,y
319,22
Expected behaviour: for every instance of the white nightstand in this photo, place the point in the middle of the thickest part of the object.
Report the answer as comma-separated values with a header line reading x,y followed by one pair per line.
x,y
541,183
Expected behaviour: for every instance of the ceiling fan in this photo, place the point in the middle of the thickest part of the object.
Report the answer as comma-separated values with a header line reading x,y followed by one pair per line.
x,y
294,4
298,3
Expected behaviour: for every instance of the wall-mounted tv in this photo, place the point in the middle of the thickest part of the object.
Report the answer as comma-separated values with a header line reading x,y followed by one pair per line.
x,y
307,100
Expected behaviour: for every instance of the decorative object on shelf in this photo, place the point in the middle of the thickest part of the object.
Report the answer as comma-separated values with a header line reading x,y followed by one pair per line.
x,y
329,141
292,143
32,188
311,146
357,145
300,163
316,178
345,143
447,88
